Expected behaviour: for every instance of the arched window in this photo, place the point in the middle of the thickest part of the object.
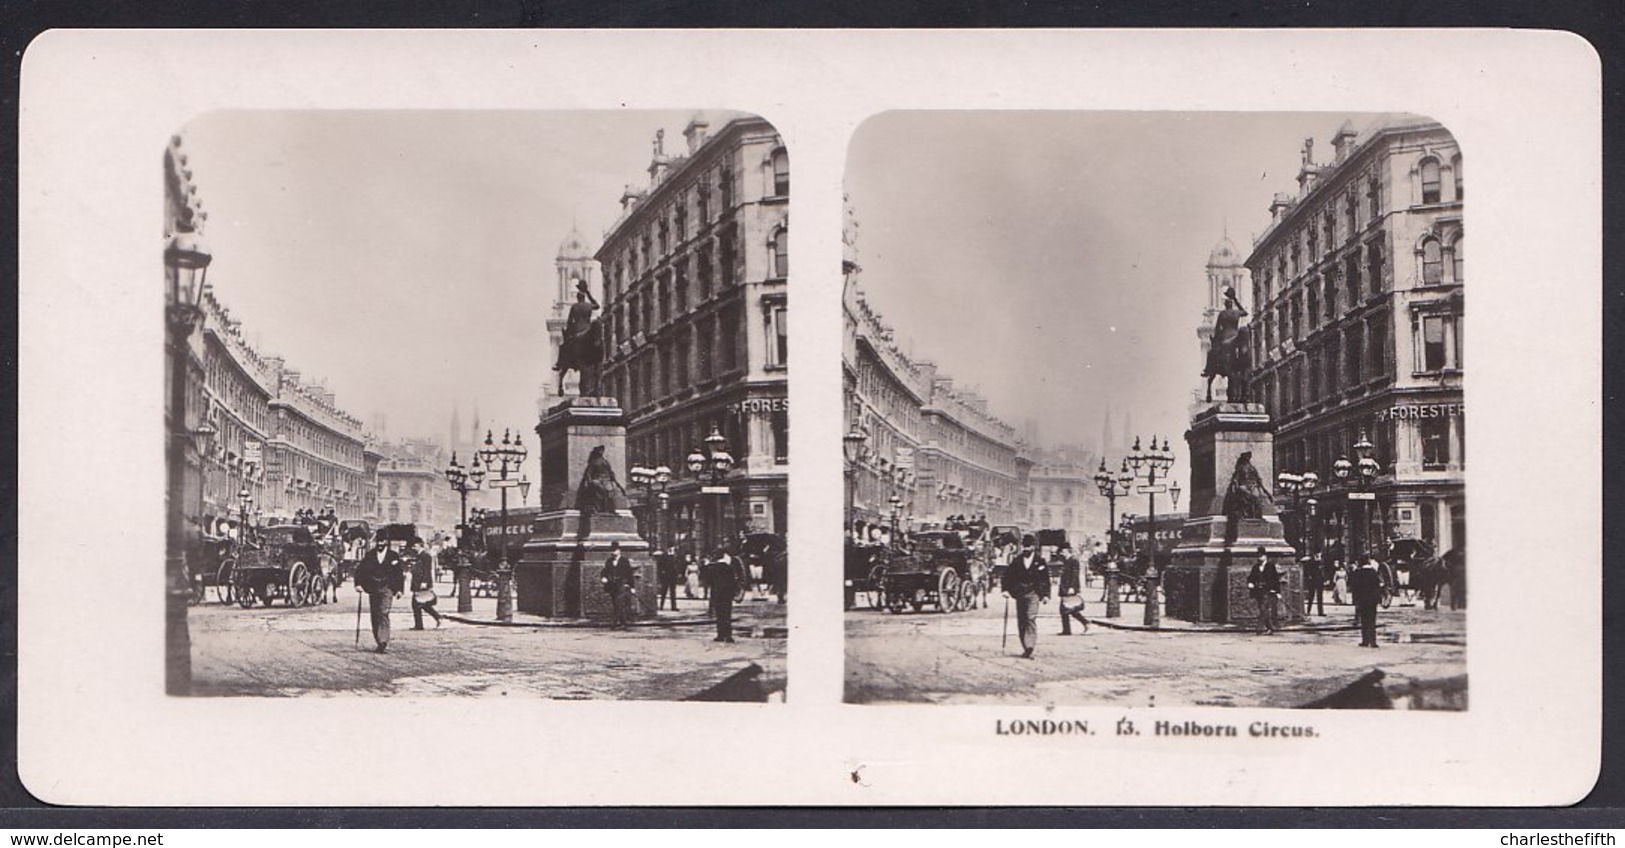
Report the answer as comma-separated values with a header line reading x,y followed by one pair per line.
x,y
781,173
778,252
1430,180
1432,261
1455,259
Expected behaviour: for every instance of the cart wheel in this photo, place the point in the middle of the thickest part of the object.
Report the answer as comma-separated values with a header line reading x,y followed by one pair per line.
x,y
315,589
1387,597
947,590
222,580
298,584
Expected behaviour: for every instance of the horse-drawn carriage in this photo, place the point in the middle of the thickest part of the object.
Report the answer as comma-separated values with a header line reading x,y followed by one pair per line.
x,y
766,562
1416,573
285,561
940,571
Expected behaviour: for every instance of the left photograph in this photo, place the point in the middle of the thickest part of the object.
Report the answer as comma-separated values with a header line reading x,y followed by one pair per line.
x,y
477,404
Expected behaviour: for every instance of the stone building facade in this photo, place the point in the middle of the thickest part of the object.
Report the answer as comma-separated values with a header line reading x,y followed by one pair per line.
x,y
1356,327
285,440
695,295
412,486
276,434
937,448
1064,495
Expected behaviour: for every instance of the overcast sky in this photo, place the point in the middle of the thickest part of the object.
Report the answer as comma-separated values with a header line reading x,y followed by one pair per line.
x,y
407,257
1057,259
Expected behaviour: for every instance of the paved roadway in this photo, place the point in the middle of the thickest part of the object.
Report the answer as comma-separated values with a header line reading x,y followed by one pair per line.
x,y
956,658
277,651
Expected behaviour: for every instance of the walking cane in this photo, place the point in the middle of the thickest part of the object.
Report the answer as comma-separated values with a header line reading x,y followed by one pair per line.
x,y
1004,640
358,619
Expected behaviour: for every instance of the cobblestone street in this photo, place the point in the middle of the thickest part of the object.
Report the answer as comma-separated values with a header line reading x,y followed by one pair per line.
x,y
278,651
956,658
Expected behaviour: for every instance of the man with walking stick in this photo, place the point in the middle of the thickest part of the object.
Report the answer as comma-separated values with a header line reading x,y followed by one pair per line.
x,y
1027,580
381,577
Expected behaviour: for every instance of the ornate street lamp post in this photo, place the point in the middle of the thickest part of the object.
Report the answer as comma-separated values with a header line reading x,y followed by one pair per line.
x,y
653,482
896,513
710,467
502,463
464,480
1111,488
186,267
1295,483
1359,477
1153,461
853,444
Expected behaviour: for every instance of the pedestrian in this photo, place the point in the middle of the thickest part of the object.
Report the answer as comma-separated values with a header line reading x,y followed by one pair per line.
x,y
1027,580
1340,583
1366,585
1455,563
1314,585
669,572
1071,589
423,596
1264,584
691,576
722,579
618,578
381,577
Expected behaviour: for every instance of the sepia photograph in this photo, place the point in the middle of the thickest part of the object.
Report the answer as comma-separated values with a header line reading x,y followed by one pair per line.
x,y
1155,409
477,404
1138,400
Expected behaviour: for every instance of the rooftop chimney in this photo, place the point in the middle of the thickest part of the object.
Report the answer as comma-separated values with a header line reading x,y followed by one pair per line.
x,y
1343,142
695,132
1280,206
660,162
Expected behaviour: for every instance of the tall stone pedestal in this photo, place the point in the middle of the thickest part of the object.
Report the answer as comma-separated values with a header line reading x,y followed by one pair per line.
x,y
559,568
1207,579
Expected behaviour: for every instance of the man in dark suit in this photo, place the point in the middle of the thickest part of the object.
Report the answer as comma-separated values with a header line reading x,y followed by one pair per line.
x,y
381,577
668,571
1071,589
617,578
1314,585
1365,584
721,574
1027,580
1264,584
422,566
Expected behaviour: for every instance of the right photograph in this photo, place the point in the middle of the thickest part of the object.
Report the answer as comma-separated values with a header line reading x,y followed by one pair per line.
x,y
1155,409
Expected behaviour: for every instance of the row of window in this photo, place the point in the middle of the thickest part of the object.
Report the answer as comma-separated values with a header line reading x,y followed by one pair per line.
x,y
709,348
1322,299
1048,495
1432,186
1334,364
666,296
671,226
1435,445
672,442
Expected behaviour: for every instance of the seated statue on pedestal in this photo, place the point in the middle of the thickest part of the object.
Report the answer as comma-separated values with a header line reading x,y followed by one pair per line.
x,y
1247,497
600,491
